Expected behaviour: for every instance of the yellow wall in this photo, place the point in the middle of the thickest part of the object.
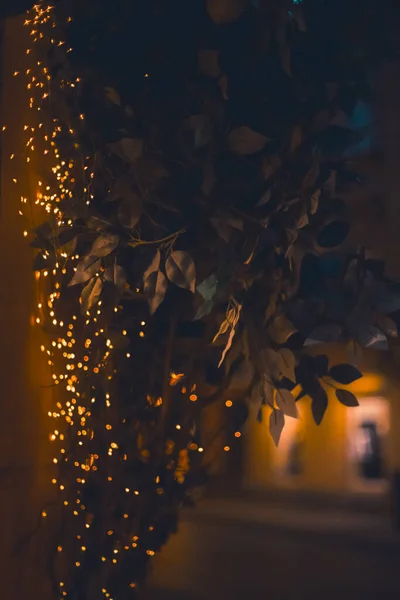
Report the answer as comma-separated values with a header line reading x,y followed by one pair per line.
x,y
25,395
325,466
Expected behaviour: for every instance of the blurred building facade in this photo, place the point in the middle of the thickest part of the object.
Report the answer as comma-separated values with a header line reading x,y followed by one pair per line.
x,y
355,451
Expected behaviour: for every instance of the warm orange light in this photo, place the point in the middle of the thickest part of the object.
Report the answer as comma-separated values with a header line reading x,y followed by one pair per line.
x,y
175,378
193,397
227,448
237,434
228,403
370,383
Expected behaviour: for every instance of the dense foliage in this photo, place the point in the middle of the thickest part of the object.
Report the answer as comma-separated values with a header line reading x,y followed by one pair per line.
x,y
199,229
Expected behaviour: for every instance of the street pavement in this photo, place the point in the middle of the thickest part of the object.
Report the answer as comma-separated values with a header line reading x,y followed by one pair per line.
x,y
232,551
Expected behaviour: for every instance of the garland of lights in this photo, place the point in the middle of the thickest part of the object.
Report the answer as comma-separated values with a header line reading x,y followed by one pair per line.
x,y
116,546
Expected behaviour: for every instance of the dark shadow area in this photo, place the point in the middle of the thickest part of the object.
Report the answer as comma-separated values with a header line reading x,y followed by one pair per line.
x,y
231,560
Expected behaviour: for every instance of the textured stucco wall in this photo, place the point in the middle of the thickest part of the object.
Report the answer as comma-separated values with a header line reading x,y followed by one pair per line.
x,y
24,401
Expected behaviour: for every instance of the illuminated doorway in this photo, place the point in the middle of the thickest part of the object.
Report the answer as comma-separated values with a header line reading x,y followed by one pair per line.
x,y
367,434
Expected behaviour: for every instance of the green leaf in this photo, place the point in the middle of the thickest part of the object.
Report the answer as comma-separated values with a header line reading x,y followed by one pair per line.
x,y
181,270
344,373
222,228
272,363
265,198
234,221
91,294
276,424
346,398
314,201
387,325
86,269
288,363
129,149
208,287
104,244
117,276
67,234
267,391
324,334
319,403
244,140
303,219
69,248
154,265
280,329
129,211
286,403
97,223
372,337
155,288
46,230
255,394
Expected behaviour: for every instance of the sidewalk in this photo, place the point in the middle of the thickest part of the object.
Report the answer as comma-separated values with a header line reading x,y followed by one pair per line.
x,y
339,524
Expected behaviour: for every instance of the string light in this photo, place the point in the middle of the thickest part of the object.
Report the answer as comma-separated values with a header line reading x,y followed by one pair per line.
x,y
79,349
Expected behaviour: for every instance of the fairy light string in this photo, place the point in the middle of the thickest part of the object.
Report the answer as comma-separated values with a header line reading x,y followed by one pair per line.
x,y
115,492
